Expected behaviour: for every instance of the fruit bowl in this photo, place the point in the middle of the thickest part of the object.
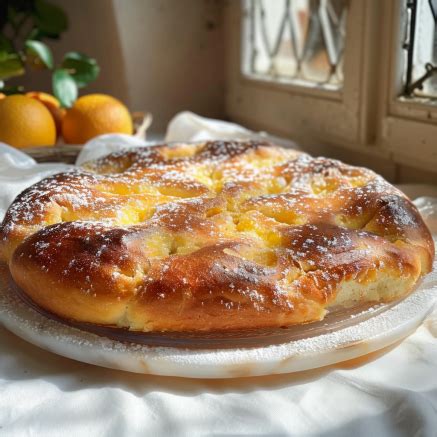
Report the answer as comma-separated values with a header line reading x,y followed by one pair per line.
x,y
68,153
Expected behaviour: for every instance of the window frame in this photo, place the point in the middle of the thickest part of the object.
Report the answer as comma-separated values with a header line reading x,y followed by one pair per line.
x,y
406,121
365,116
343,114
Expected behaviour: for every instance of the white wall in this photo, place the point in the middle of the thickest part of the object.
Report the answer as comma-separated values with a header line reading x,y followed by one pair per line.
x,y
162,56
174,55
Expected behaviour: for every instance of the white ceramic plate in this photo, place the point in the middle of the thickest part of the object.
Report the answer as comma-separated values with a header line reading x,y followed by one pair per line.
x,y
358,334
373,333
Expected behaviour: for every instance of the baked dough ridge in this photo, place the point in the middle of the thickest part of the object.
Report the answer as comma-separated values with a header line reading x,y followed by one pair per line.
x,y
212,236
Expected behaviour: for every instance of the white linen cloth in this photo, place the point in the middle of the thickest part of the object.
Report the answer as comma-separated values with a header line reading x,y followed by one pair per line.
x,y
391,393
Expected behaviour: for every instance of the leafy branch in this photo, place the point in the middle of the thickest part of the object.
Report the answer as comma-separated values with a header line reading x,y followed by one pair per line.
x,y
24,25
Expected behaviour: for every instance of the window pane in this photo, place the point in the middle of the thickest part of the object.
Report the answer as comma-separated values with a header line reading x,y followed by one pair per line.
x,y
295,40
420,49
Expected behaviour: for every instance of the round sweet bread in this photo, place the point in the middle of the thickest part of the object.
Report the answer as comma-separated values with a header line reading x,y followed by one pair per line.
x,y
212,236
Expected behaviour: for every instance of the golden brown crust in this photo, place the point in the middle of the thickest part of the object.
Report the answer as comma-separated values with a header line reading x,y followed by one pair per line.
x,y
220,235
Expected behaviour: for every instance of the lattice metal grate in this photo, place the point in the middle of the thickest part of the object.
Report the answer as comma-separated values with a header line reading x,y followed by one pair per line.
x,y
295,40
420,49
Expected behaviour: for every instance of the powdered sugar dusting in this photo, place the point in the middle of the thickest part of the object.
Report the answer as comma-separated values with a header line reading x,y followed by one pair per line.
x,y
286,226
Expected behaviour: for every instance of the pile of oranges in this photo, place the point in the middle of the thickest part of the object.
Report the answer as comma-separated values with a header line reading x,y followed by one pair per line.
x,y
37,119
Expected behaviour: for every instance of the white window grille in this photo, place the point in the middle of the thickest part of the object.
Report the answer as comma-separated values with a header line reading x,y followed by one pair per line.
x,y
298,41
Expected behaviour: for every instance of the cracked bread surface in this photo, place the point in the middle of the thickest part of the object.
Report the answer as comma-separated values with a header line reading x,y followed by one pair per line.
x,y
212,236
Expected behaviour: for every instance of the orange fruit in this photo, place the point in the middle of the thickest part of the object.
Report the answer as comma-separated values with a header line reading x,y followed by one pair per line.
x,y
25,122
2,96
95,114
52,104
45,98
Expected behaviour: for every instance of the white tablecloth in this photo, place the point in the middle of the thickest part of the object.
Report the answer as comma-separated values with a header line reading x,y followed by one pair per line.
x,y
392,392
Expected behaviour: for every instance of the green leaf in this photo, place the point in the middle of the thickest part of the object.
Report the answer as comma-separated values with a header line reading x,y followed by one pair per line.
x,y
64,87
41,51
38,35
5,44
34,34
83,68
9,90
10,65
50,18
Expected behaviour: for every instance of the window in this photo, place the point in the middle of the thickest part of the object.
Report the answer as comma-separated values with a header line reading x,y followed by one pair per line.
x,y
358,77
300,41
420,49
409,114
300,62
